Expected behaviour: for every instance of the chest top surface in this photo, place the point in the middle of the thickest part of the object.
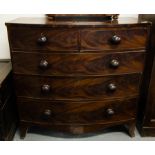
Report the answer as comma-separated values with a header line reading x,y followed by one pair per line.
x,y
42,21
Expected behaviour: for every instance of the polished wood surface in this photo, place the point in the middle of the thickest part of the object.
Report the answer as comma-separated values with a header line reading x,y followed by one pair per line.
x,y
76,88
98,39
77,76
29,38
44,22
56,40
83,112
78,63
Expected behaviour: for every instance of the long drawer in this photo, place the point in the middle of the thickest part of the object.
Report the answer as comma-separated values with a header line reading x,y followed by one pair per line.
x,y
36,38
75,88
114,39
78,64
62,112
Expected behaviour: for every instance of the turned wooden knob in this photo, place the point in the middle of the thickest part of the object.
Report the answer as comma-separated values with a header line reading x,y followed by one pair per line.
x,y
110,112
45,88
42,40
47,113
43,64
114,63
112,87
115,39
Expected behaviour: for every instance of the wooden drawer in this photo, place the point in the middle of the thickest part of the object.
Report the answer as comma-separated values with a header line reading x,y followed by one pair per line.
x,y
75,88
61,112
114,39
34,38
77,64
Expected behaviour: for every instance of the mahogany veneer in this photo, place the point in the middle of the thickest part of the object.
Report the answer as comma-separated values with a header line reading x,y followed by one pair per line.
x,y
77,77
78,64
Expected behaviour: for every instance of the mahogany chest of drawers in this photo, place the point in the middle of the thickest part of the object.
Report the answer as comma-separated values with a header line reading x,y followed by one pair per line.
x,y
77,77
8,112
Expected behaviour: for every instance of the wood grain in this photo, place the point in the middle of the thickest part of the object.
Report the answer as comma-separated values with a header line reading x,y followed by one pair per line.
x,y
65,112
77,64
78,75
57,40
75,88
98,39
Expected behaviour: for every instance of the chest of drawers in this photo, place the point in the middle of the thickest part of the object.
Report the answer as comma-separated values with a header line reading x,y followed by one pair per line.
x,y
77,77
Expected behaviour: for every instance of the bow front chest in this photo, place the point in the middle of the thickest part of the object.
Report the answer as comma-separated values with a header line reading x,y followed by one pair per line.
x,y
77,77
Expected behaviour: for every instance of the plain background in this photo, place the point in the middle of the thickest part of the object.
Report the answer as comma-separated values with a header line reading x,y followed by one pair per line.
x,y
4,45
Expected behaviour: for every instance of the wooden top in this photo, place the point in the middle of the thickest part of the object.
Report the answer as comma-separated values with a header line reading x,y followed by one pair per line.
x,y
43,21
5,68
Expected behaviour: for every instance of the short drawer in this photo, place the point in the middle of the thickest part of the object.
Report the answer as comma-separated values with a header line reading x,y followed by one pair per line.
x,y
34,38
75,88
63,112
114,39
78,64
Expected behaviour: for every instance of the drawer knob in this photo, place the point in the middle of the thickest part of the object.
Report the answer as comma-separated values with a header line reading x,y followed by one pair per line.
x,y
45,88
47,112
43,64
112,87
114,63
42,40
110,112
115,39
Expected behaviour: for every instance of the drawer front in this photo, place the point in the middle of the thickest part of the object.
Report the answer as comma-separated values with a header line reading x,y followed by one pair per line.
x,y
75,88
77,112
79,64
114,39
29,38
